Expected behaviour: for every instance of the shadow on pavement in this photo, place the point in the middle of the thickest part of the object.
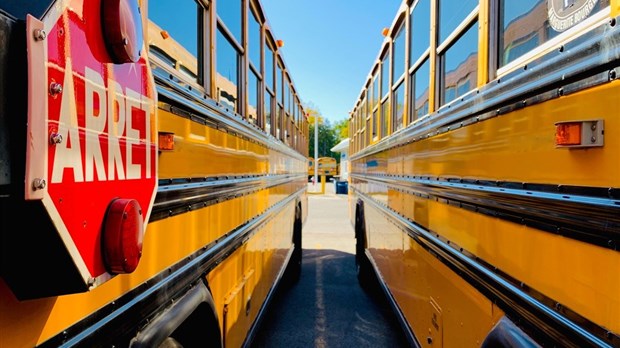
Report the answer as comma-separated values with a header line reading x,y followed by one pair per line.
x,y
328,308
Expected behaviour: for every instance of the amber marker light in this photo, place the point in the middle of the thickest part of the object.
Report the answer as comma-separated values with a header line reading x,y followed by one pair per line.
x,y
385,31
166,141
280,43
568,134
580,134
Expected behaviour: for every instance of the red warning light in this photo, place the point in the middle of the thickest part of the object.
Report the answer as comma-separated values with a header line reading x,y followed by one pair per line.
x,y
122,236
122,28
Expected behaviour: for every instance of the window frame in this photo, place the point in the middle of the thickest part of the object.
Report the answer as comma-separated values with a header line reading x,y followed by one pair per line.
x,y
385,96
397,82
469,21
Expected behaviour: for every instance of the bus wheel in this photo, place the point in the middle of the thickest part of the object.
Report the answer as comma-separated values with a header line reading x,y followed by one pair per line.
x,y
364,269
191,321
170,343
294,266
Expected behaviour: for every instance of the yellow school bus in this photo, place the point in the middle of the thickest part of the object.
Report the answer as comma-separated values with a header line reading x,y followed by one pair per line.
x,y
485,175
327,166
152,173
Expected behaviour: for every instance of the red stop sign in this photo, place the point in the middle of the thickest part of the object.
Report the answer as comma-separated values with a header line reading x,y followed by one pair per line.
x,y
100,134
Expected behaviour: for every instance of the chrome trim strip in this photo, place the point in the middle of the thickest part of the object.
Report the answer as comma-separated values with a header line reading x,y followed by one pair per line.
x,y
174,199
590,219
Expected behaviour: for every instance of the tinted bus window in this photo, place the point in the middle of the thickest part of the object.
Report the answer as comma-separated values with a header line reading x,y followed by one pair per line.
x,y
399,54
229,12
420,90
526,24
254,40
227,72
451,14
461,66
420,24
182,43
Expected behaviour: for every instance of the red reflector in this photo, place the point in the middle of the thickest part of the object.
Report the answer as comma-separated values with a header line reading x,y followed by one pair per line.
x,y
166,141
122,236
568,133
122,27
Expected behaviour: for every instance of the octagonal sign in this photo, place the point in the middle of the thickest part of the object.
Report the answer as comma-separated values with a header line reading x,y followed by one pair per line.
x,y
92,127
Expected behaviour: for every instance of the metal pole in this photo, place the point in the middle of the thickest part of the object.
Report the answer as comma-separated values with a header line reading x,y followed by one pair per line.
x,y
316,148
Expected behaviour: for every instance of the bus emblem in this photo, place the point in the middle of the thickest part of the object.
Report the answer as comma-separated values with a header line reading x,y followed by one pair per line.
x,y
564,14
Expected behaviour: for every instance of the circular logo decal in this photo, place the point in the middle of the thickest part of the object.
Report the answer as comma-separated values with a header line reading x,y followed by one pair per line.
x,y
564,14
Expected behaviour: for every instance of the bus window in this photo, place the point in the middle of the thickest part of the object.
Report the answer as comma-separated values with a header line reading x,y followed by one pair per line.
x,y
227,72
460,66
253,90
385,92
418,57
385,112
254,46
451,15
269,86
527,24
229,12
385,76
269,67
254,72
279,102
398,76
458,49
174,41
398,50
420,91
268,103
229,43
399,106
420,28
374,107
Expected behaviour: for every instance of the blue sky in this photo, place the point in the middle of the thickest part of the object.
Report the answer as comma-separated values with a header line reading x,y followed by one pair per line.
x,y
329,47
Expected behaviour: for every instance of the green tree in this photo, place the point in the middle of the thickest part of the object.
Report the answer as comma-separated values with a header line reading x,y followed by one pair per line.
x,y
342,129
328,136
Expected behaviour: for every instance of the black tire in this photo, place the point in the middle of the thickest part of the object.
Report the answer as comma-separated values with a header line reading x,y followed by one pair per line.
x,y
293,271
363,266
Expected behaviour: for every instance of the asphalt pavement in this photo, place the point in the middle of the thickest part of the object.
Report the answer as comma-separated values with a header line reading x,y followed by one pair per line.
x,y
327,307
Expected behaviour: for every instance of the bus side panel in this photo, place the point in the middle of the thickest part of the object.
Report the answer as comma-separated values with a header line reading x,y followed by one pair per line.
x,y
437,303
166,242
517,147
520,146
241,283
